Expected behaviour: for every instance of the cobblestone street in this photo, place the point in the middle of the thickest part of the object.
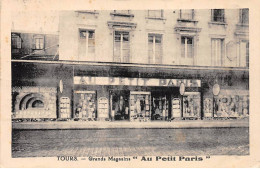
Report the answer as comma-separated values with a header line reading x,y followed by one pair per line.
x,y
130,142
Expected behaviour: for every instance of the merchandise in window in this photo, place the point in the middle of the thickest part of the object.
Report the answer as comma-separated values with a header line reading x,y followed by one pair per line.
x,y
231,106
159,108
140,106
120,105
191,105
85,107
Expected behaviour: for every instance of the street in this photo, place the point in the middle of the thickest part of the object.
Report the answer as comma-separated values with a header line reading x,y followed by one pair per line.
x,y
130,142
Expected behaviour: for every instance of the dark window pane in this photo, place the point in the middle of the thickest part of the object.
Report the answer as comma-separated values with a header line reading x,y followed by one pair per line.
x,y
150,39
83,34
245,16
218,15
158,39
91,35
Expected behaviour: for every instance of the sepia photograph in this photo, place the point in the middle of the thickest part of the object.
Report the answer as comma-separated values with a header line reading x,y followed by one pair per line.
x,y
130,85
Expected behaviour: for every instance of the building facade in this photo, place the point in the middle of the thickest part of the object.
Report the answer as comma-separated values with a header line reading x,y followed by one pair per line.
x,y
34,46
140,65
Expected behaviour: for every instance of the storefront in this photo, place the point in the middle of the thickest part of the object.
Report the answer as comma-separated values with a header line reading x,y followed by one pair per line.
x,y
94,93
135,99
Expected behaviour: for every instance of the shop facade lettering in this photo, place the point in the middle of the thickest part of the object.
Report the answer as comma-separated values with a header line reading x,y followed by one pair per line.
x,y
85,80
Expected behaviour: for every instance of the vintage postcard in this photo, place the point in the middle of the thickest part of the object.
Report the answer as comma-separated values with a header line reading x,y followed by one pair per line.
x,y
129,83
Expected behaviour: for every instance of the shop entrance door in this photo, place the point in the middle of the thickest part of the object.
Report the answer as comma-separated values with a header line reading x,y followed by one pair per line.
x,y
119,105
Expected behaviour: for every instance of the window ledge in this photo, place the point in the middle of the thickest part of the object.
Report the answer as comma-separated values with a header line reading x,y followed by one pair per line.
x,y
242,25
155,18
95,13
38,49
218,23
186,20
122,14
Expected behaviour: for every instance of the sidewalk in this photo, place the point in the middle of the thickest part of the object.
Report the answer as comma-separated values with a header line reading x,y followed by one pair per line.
x,y
126,124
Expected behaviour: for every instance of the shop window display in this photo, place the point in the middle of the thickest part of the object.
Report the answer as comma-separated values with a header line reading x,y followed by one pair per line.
x,y
191,105
120,106
34,102
140,106
231,106
208,107
85,104
159,108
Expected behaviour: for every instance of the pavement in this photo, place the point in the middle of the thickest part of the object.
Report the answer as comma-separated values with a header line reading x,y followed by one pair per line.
x,y
244,123
130,142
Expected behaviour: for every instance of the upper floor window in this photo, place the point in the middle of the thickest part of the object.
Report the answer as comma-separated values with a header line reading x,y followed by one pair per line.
x,y
16,41
244,16
155,14
155,48
187,14
121,46
217,51
187,47
244,54
218,15
86,43
38,42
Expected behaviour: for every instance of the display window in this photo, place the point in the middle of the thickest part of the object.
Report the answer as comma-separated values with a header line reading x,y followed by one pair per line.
x,y
208,107
191,105
85,104
140,106
231,106
120,105
159,107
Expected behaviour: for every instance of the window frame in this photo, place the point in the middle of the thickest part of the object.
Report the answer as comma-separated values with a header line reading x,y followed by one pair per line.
x,y
155,17
16,37
241,20
192,14
154,48
122,59
35,43
223,18
87,39
223,51
186,47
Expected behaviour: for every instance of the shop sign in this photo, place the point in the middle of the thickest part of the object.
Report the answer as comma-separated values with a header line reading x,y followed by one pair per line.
x,y
61,86
84,80
103,107
182,88
216,89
